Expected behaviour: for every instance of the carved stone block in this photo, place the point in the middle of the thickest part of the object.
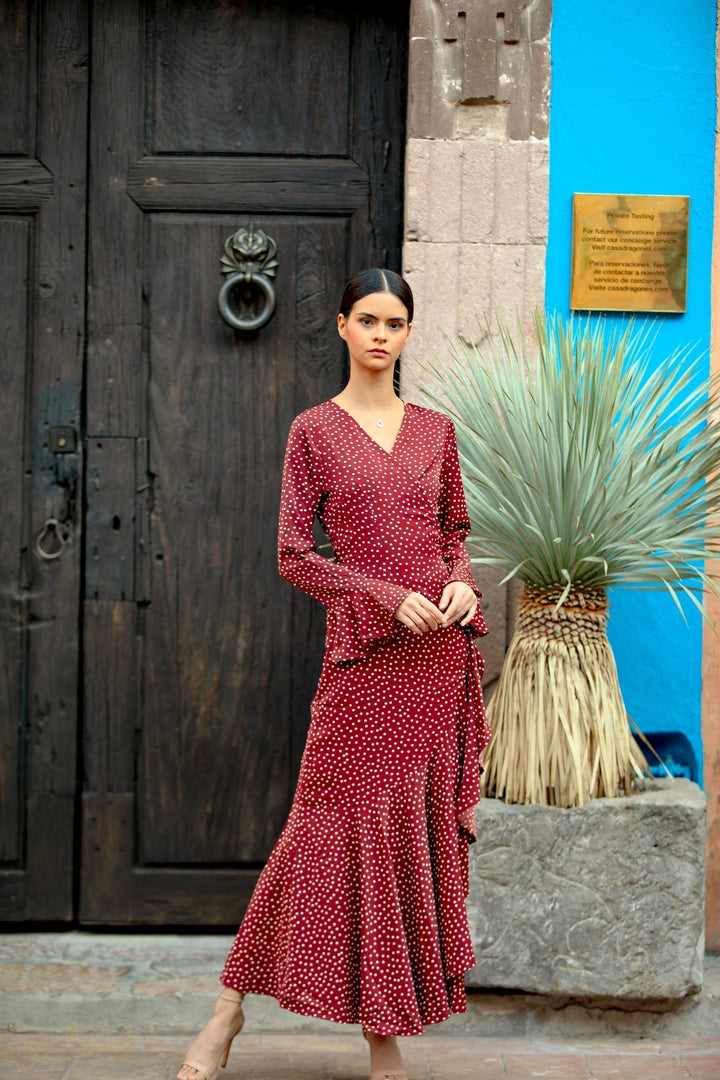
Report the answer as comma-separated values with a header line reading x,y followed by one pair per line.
x,y
483,52
600,901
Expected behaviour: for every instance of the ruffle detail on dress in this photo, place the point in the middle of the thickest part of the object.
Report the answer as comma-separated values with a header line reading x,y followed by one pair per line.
x,y
374,897
359,622
473,736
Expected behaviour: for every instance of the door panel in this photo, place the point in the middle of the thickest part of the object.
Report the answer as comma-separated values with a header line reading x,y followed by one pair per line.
x,y
161,431
217,626
187,419
244,78
16,242
42,227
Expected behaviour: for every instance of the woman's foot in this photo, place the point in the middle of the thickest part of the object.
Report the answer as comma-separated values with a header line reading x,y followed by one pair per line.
x,y
213,1043
385,1059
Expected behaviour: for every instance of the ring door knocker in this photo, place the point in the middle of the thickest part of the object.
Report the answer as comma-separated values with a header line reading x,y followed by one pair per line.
x,y
50,541
246,299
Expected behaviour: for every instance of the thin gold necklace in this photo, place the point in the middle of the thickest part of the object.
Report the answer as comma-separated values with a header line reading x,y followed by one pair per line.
x,y
378,422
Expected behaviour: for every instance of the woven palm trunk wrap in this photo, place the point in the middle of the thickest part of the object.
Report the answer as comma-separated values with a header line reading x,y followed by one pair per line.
x,y
560,729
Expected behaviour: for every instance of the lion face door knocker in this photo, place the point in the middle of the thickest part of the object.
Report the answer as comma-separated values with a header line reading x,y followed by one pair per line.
x,y
246,299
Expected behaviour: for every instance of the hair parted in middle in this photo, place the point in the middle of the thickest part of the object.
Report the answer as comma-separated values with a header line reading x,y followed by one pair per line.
x,y
376,280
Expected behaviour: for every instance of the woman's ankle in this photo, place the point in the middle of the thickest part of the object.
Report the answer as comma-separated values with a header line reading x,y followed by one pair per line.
x,y
384,1053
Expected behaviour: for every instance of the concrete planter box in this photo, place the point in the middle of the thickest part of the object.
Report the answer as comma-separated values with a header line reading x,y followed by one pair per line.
x,y
602,901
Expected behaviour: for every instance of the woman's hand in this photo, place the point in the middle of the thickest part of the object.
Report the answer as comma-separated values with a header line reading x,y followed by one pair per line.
x,y
420,614
458,599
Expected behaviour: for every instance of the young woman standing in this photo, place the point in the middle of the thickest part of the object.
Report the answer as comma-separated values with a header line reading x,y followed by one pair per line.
x,y
359,915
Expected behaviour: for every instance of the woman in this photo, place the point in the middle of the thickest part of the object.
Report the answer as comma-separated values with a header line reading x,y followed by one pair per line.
x,y
359,915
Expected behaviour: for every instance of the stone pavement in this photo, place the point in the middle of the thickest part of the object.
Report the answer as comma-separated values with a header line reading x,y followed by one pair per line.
x,y
97,1006
274,1056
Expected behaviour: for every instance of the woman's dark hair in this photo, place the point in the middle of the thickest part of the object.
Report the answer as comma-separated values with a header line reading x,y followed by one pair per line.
x,y
375,280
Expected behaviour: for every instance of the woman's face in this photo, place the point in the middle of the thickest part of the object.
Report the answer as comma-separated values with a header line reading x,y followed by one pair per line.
x,y
375,330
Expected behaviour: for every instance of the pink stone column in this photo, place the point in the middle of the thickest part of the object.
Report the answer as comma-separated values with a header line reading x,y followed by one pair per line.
x,y
476,191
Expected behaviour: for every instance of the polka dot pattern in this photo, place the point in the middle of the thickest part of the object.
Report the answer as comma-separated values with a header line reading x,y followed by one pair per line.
x,y
359,915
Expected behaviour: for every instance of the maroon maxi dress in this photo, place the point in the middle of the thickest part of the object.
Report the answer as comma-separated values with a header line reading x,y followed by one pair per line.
x,y
359,915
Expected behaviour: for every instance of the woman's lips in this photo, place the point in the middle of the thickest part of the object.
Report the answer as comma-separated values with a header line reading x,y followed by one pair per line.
x,y
378,352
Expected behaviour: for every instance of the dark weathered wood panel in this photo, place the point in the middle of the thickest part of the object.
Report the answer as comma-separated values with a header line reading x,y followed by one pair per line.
x,y
107,858
228,653
110,519
215,622
249,78
49,868
171,897
12,892
379,107
53,482
316,372
57,384
111,696
143,506
236,184
25,184
16,245
116,377
17,77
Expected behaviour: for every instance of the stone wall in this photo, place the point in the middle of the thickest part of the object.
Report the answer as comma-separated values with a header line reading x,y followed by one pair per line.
x,y
476,200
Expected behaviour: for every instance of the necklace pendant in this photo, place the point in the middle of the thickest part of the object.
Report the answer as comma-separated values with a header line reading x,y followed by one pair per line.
x,y
379,423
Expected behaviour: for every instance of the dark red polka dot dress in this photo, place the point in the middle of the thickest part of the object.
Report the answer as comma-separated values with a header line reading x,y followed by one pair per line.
x,y
359,915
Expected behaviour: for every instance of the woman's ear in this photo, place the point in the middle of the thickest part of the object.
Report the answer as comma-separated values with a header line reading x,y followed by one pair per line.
x,y
409,327
341,324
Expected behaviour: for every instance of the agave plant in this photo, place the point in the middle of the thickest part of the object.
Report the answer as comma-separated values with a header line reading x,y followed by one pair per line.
x,y
586,465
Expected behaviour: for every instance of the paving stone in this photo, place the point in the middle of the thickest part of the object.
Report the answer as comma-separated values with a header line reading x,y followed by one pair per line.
x,y
198,984
144,1066
703,1066
549,1066
344,1057
86,1045
38,1069
178,962
636,1067
53,978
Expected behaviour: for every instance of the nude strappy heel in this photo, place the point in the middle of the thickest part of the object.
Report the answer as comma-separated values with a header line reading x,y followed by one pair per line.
x,y
210,1070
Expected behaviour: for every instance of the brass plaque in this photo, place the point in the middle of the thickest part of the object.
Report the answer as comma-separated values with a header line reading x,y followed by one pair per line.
x,y
629,252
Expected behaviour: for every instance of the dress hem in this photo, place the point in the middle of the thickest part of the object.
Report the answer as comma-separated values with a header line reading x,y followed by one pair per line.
x,y
317,1013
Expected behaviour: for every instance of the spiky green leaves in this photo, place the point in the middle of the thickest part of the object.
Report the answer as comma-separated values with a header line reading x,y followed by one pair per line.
x,y
586,463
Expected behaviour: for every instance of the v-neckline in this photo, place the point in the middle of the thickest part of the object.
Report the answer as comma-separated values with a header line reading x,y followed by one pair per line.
x,y
359,426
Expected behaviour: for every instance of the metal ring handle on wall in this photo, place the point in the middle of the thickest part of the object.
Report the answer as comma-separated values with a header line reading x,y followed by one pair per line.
x,y
50,526
246,325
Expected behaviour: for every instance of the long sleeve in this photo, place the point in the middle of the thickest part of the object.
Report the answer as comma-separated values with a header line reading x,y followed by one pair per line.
x,y
360,609
455,523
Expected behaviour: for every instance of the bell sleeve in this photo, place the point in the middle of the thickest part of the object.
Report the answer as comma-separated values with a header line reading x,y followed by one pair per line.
x,y
455,524
360,609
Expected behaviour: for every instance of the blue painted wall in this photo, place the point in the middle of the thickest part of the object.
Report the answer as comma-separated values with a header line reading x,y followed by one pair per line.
x,y
633,112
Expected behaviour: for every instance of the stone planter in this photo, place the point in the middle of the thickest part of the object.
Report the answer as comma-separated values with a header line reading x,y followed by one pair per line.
x,y
601,901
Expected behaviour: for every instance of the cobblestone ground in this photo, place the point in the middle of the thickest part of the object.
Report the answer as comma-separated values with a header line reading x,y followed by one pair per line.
x,y
343,1057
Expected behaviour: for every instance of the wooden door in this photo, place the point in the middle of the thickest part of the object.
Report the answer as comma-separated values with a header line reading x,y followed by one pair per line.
x,y
43,137
200,662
